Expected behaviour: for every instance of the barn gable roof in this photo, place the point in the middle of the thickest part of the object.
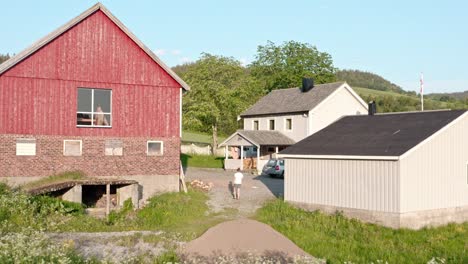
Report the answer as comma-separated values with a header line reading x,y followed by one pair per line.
x,y
292,100
381,135
53,35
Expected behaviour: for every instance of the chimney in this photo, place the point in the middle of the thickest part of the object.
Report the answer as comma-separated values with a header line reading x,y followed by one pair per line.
x,y
307,84
372,108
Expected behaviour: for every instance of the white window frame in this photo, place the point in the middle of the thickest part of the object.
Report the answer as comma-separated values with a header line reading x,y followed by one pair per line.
x,y
31,140
274,124
92,105
73,140
253,124
154,141
286,124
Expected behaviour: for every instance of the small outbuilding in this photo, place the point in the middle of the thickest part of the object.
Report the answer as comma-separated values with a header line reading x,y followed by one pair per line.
x,y
399,170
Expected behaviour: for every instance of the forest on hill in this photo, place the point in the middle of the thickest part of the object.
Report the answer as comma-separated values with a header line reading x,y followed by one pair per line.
x,y
357,78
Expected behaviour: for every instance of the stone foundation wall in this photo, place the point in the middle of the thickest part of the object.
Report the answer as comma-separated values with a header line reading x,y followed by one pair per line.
x,y
411,220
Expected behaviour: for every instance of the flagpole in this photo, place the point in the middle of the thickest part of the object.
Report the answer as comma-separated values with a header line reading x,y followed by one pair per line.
x,y
421,83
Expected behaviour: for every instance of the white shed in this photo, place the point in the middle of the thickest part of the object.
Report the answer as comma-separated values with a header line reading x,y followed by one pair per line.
x,y
398,170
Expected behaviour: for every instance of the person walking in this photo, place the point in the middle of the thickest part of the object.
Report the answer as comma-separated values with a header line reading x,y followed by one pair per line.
x,y
238,176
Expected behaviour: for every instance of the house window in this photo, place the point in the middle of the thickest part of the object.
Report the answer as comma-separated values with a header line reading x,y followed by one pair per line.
x,y
72,148
272,124
255,125
154,148
26,147
288,124
271,149
94,108
113,147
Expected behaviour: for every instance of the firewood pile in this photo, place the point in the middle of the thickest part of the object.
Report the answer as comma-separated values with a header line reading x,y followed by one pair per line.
x,y
202,186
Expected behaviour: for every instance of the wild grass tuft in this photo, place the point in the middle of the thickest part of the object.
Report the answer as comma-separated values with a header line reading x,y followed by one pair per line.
x,y
339,239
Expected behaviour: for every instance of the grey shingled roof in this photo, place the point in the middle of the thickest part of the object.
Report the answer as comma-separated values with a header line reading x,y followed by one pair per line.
x,y
5,66
266,137
291,100
378,135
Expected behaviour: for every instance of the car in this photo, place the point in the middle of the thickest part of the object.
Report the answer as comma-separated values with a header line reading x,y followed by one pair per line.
x,y
274,168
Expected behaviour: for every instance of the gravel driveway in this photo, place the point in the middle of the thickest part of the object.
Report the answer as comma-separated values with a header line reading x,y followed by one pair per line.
x,y
255,190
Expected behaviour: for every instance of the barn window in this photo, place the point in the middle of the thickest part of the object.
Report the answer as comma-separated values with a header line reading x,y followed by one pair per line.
x,y
113,147
255,125
94,108
288,124
72,148
272,124
154,148
25,147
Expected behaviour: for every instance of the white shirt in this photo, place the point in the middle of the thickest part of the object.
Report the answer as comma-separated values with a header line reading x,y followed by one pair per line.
x,y
238,178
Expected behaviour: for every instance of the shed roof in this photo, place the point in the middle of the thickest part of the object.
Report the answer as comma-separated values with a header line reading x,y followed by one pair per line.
x,y
292,100
378,135
263,137
53,35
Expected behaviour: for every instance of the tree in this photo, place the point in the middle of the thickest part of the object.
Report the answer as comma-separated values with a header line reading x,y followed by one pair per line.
x,y
220,90
4,57
285,65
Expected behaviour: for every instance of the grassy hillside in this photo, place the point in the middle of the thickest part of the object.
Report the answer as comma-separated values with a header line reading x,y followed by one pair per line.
x,y
366,79
388,101
198,137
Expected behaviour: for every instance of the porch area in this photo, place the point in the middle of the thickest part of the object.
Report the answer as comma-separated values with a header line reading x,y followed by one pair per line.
x,y
251,149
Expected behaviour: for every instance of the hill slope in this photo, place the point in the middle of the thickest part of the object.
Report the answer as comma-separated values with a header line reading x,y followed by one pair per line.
x,y
369,80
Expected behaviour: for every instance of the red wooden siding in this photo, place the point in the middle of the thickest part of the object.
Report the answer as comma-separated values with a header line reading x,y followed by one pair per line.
x,y
39,94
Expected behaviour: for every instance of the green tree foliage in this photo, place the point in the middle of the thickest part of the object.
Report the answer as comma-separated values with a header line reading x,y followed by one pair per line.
x,y
4,57
220,90
367,80
284,66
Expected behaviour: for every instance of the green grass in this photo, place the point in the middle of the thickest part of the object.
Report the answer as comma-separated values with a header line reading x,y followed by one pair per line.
x,y
198,137
201,161
62,177
339,239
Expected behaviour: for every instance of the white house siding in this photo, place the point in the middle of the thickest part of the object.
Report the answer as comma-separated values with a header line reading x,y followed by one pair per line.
x,y
357,184
339,104
299,125
434,175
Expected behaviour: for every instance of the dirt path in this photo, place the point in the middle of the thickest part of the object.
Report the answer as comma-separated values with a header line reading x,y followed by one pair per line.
x,y
255,191
240,237
244,240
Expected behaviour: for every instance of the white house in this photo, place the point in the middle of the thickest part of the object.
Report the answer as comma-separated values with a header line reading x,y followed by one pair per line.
x,y
286,116
398,170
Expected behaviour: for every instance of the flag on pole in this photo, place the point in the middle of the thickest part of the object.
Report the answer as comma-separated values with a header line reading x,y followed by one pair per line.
x,y
421,84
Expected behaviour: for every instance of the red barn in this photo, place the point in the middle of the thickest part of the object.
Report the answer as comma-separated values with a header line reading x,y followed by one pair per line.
x,y
90,96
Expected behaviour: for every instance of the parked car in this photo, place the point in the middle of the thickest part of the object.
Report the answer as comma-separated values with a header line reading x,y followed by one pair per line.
x,y
274,168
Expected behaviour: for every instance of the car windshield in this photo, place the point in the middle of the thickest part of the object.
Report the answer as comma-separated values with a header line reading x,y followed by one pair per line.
x,y
271,163
281,162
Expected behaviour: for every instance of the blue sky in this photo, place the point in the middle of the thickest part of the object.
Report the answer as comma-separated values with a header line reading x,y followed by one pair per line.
x,y
395,39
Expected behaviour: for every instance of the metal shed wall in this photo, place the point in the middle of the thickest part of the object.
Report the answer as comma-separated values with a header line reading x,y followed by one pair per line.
x,y
435,174
357,184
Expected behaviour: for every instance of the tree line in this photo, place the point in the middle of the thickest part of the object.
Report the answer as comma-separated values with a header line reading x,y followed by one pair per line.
x,y
221,88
